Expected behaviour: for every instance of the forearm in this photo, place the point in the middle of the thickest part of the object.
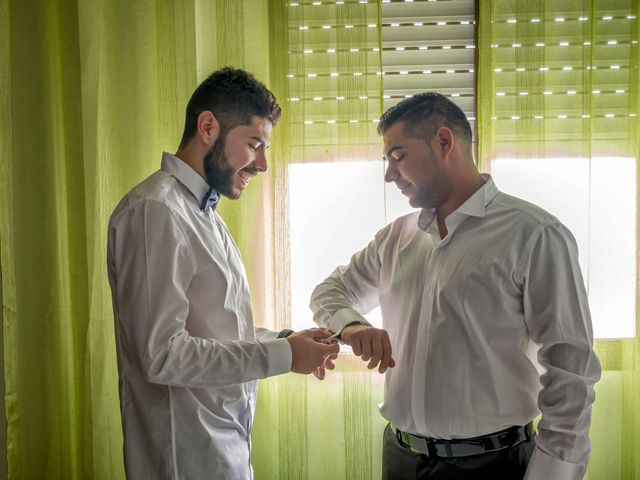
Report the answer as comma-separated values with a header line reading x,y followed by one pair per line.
x,y
558,319
188,361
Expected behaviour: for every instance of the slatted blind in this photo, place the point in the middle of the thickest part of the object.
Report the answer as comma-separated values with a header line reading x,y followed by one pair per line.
x,y
562,73
334,79
429,45
349,60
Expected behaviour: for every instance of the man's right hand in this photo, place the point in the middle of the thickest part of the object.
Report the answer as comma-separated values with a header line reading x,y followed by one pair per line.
x,y
369,343
307,351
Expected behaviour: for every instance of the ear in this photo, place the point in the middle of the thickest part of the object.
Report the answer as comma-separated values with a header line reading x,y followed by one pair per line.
x,y
445,141
208,128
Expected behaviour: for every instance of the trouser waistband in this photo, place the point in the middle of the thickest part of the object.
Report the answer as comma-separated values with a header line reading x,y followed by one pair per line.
x,y
464,447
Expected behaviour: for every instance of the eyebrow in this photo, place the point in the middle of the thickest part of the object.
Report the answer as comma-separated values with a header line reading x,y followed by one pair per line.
x,y
262,142
391,150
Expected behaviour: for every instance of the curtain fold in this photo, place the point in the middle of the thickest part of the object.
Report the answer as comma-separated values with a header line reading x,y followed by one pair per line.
x,y
558,90
326,73
91,93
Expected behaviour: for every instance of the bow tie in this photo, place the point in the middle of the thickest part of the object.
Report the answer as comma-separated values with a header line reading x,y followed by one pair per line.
x,y
210,200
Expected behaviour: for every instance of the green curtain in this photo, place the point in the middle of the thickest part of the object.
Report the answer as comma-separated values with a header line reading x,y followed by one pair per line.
x,y
325,69
91,92
560,79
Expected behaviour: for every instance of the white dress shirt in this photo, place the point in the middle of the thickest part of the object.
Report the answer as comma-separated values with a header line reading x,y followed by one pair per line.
x,y
188,354
474,319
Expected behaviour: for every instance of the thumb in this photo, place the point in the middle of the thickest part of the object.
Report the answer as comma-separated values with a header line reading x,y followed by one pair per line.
x,y
331,348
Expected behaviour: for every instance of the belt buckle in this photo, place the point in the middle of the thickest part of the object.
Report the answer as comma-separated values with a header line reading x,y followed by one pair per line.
x,y
419,445
461,449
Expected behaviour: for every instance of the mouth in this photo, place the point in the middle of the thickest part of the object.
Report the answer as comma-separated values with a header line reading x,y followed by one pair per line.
x,y
244,177
403,188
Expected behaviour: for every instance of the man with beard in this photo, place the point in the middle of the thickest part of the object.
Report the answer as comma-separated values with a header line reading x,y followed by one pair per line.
x,y
480,292
189,355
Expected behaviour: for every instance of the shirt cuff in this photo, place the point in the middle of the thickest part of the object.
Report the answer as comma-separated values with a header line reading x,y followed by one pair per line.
x,y
344,317
543,465
279,356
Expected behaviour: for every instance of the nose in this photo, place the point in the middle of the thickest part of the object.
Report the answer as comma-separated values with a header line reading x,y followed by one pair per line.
x,y
260,162
390,174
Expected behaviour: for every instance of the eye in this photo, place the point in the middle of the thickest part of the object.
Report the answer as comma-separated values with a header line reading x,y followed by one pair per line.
x,y
254,146
397,156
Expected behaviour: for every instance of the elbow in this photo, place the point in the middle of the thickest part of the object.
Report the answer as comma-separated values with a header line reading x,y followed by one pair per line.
x,y
157,364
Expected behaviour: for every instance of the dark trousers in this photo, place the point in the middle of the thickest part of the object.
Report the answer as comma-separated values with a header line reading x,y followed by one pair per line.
x,y
400,463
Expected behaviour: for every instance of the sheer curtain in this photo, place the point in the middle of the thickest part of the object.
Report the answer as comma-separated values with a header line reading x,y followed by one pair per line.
x,y
91,92
558,124
326,71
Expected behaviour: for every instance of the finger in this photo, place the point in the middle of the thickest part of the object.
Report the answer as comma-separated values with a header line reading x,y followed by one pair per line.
x,y
321,333
385,361
331,349
329,365
366,349
392,363
319,372
356,346
376,354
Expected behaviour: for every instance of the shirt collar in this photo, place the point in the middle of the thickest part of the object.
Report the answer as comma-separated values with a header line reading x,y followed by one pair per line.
x,y
474,206
206,196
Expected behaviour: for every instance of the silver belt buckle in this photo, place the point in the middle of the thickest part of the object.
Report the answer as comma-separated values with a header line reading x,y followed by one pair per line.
x,y
419,445
461,449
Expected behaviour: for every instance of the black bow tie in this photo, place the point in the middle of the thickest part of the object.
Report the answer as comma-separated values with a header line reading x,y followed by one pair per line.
x,y
210,200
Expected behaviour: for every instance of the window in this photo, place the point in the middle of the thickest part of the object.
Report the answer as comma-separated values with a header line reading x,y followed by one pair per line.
x,y
337,195
335,210
595,199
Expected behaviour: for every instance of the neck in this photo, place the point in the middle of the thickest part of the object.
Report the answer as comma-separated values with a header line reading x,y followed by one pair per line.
x,y
193,158
467,183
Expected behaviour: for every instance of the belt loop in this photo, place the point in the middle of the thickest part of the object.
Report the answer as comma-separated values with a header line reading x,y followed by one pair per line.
x,y
447,447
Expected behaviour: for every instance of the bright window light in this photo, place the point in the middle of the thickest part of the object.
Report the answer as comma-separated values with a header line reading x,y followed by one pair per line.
x,y
596,199
335,210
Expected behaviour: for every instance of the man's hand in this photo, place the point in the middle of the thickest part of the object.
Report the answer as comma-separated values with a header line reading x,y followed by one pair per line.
x,y
369,343
309,354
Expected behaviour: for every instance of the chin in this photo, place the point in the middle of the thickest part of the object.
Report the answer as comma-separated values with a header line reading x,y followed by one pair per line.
x,y
235,194
417,203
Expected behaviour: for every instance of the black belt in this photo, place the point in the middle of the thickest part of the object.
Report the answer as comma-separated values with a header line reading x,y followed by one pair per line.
x,y
464,447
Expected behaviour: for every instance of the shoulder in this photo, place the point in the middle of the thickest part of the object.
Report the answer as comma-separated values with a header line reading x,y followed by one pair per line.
x,y
160,190
514,221
400,226
522,211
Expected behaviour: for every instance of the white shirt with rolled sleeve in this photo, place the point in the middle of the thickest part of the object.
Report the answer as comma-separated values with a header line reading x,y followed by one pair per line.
x,y
189,355
489,326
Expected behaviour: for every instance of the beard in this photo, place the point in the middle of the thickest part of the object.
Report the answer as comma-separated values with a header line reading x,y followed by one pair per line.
x,y
436,191
218,171
434,194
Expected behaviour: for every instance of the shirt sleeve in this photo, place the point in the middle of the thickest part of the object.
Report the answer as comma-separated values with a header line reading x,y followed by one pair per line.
x,y
151,267
266,334
557,316
349,292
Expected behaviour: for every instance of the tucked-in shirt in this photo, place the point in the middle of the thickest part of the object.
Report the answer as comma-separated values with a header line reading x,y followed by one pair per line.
x,y
489,325
189,355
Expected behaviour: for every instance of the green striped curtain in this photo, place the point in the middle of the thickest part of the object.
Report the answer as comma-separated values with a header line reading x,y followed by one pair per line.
x,y
91,92
559,80
326,69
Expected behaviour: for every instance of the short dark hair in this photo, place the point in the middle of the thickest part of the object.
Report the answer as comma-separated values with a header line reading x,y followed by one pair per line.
x,y
234,96
423,114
